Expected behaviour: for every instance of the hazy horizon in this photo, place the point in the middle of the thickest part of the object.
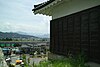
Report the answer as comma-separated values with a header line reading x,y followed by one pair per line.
x,y
31,34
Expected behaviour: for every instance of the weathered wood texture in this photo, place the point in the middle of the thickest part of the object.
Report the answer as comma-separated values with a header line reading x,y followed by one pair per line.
x,y
76,33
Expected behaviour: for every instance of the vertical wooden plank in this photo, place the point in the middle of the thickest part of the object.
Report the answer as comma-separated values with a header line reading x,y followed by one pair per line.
x,y
85,33
77,29
60,36
65,36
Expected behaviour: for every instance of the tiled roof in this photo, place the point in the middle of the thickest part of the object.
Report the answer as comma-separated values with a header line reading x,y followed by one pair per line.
x,y
39,6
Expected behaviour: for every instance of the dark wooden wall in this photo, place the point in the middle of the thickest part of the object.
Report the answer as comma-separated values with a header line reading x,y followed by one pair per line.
x,y
78,32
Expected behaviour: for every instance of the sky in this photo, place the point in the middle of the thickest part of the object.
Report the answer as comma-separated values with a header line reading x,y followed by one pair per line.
x,y
17,16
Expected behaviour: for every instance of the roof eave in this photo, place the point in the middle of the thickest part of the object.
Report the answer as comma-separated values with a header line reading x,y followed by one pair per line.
x,y
46,10
39,6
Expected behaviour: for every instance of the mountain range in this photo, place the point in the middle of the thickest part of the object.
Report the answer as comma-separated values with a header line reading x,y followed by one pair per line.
x,y
22,35
14,35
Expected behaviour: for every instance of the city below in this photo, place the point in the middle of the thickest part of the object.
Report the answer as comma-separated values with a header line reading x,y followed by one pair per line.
x,y
18,50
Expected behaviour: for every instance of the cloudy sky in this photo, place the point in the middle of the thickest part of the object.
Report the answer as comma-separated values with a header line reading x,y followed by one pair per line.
x,y
17,16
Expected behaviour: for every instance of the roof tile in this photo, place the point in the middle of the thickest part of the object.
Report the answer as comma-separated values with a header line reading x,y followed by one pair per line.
x,y
39,6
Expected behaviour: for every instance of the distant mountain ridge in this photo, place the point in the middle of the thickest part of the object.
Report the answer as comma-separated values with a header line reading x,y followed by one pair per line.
x,y
14,35
40,35
43,36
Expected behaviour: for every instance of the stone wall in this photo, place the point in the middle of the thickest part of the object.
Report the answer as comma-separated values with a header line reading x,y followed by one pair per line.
x,y
55,56
2,60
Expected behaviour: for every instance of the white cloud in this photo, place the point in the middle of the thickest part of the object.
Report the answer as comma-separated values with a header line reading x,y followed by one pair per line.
x,y
30,28
16,15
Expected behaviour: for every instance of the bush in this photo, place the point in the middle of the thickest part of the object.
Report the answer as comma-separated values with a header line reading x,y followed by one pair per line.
x,y
78,61
11,65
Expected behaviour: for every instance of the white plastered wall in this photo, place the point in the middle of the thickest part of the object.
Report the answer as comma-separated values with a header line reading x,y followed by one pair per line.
x,y
72,6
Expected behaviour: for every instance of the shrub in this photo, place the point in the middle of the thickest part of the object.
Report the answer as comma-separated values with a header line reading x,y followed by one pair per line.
x,y
78,61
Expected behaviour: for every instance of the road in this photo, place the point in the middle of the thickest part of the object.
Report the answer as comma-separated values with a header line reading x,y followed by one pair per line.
x,y
35,60
14,58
